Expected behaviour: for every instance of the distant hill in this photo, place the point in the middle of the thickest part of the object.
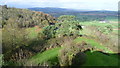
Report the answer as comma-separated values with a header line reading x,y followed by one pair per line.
x,y
51,9
61,10
24,17
82,15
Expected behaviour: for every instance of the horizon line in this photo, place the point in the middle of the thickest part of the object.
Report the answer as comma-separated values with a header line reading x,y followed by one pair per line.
x,y
62,8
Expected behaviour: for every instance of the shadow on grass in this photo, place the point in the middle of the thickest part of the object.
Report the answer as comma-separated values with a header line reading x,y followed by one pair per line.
x,y
37,45
96,58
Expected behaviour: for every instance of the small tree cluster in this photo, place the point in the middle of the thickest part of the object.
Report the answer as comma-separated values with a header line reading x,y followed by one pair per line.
x,y
65,28
13,37
71,52
25,17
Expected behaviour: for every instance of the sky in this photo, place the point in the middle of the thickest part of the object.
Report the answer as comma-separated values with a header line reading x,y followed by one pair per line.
x,y
70,4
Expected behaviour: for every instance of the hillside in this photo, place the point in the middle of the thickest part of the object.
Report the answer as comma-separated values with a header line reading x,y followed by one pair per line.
x,y
32,38
25,17
17,30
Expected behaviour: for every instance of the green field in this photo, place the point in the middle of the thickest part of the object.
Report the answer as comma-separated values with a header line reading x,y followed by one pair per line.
x,y
94,58
51,56
44,57
97,23
94,43
99,59
32,32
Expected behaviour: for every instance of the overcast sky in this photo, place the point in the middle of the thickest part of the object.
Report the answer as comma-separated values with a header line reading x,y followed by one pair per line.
x,y
72,4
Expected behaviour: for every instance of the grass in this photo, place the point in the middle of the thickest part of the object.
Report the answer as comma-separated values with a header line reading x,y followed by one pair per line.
x,y
93,58
52,54
89,32
93,43
32,33
45,56
96,23
100,59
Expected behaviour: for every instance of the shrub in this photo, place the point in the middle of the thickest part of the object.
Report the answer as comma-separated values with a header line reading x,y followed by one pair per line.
x,y
66,17
106,30
64,28
13,37
72,54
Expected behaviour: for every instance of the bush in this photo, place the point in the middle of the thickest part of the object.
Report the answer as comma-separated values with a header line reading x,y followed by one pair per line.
x,y
13,37
64,28
72,54
106,30
66,17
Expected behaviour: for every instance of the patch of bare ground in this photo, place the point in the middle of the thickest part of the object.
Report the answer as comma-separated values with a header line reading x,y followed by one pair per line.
x,y
116,29
38,28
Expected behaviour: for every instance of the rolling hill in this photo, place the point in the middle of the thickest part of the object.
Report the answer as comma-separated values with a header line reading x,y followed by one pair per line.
x,y
25,17
82,15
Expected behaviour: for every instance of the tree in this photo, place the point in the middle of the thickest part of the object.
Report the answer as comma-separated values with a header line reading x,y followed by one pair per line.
x,y
67,27
72,54
66,17
13,37
49,31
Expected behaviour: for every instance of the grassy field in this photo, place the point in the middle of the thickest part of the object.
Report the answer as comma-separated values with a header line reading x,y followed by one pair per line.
x,y
45,56
101,25
94,58
100,59
97,23
33,32
93,43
